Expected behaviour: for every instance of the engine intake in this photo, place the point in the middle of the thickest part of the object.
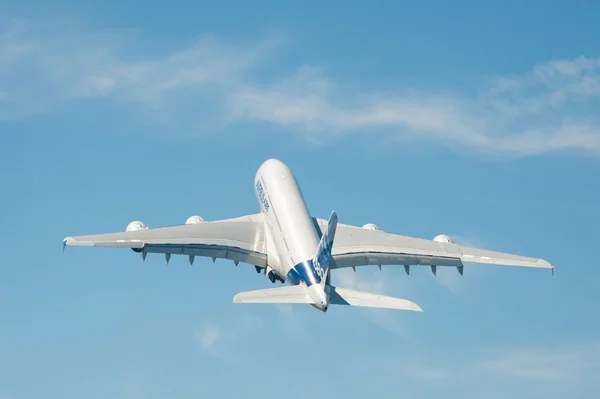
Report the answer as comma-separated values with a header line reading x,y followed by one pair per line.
x,y
272,276
443,238
135,226
194,220
371,226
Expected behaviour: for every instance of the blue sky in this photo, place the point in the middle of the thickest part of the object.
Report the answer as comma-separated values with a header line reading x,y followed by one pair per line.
x,y
474,119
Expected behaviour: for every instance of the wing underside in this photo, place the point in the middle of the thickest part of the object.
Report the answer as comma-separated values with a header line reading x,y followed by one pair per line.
x,y
355,246
241,239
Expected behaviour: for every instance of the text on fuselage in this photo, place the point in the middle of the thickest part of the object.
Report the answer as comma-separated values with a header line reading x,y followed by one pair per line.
x,y
261,195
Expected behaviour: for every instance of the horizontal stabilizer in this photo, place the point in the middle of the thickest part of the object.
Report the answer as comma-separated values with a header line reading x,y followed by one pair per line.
x,y
345,296
289,294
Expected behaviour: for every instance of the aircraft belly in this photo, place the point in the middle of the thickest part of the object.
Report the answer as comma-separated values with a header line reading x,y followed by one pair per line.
x,y
292,230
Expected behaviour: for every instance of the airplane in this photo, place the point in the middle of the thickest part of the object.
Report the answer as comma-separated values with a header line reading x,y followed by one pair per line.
x,y
288,245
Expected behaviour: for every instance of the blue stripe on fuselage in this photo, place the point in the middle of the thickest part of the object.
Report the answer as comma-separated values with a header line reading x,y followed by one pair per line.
x,y
303,271
293,277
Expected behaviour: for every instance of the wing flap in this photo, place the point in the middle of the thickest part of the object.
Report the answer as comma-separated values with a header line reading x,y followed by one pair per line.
x,y
382,258
210,251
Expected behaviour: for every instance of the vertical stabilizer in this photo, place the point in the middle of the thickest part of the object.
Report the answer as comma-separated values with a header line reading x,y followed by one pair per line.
x,y
323,256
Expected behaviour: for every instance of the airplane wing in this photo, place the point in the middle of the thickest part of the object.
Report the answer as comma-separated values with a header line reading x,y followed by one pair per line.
x,y
240,239
355,246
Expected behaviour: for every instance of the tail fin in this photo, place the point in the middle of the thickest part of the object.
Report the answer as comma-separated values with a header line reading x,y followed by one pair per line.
x,y
323,256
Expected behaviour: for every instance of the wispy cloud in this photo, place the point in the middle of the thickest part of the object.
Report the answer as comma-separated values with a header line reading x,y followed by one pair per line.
x,y
209,336
523,115
448,277
553,364
365,282
548,108
371,280
291,321
228,339
44,65
554,371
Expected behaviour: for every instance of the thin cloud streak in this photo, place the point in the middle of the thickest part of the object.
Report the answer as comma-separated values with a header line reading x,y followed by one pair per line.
x,y
365,279
576,363
551,365
449,277
40,69
549,108
209,336
506,118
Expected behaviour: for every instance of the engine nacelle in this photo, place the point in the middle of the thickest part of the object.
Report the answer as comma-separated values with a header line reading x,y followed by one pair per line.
x,y
194,220
135,226
271,275
371,226
443,238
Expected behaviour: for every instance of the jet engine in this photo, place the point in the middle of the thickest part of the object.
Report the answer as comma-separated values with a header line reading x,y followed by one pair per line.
x,y
371,226
270,273
272,276
443,238
135,226
194,220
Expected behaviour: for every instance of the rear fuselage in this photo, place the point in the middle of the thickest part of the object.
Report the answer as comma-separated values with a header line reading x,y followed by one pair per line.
x,y
292,238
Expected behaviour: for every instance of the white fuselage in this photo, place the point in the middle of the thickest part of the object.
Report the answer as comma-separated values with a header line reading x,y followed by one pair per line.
x,y
292,239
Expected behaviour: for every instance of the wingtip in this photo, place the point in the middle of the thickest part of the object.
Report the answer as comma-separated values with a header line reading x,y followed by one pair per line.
x,y
66,242
544,264
410,305
71,241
